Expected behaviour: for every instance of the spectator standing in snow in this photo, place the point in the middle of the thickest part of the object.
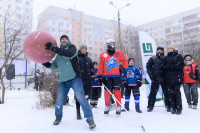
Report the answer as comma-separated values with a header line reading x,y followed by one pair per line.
x,y
190,76
66,63
173,67
96,87
86,72
133,76
155,71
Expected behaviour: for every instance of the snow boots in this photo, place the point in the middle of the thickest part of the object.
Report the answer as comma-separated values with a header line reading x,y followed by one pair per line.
x,y
189,106
91,124
149,109
194,107
57,121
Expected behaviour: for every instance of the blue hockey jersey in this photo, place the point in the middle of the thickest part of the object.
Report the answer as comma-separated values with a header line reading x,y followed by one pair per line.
x,y
95,82
133,73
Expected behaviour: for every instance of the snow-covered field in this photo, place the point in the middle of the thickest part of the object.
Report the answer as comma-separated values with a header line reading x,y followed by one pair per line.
x,y
20,115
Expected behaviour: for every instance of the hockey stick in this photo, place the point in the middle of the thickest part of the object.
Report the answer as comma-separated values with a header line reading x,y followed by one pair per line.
x,y
143,129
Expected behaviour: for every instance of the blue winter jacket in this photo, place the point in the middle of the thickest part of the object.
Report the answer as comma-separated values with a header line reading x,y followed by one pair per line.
x,y
133,73
95,82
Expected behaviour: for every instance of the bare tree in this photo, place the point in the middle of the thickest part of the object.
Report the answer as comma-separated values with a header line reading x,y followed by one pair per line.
x,y
13,32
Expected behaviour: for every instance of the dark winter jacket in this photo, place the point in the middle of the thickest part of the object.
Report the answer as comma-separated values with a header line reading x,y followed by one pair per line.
x,y
173,68
85,64
66,62
155,67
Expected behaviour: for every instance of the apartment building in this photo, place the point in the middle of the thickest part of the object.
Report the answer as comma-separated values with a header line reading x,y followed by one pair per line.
x,y
81,28
17,12
181,30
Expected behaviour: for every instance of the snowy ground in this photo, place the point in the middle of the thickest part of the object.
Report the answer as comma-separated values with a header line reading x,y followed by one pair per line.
x,y
20,115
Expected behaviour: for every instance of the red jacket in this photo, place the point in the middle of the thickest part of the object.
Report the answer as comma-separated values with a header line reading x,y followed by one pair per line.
x,y
186,76
109,65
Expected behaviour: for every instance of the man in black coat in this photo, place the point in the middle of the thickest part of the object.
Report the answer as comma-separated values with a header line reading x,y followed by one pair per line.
x,y
86,66
156,74
173,67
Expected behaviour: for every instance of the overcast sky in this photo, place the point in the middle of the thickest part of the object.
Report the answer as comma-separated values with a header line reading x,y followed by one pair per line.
x,y
139,12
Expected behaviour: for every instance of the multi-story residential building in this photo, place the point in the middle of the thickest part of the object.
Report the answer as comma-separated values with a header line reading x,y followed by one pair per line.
x,y
17,12
181,30
81,28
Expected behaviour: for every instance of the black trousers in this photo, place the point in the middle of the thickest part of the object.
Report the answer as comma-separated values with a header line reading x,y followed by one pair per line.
x,y
153,93
175,96
96,94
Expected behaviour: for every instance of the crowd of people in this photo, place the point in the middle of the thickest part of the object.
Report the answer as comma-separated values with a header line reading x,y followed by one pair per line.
x,y
120,76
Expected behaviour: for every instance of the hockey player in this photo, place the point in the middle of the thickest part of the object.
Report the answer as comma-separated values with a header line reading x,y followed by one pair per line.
x,y
134,80
109,74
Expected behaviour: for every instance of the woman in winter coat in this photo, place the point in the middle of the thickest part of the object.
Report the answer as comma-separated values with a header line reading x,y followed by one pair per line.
x,y
173,69
85,64
190,76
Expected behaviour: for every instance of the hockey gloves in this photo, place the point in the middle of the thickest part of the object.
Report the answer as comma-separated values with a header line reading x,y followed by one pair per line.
x,y
139,83
125,83
47,64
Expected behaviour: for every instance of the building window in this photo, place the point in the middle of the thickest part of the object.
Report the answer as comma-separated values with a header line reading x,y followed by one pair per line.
x,y
27,3
19,1
17,16
18,8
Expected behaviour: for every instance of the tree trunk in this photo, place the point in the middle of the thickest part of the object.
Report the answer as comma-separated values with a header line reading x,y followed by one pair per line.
x,y
3,91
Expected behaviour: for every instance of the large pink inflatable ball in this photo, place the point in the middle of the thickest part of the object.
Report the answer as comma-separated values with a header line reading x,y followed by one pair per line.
x,y
34,46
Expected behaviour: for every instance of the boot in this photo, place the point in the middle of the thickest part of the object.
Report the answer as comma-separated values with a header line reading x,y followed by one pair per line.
x,y
107,109
194,107
149,109
179,112
57,121
137,108
78,114
189,106
91,124
118,110
173,111
168,109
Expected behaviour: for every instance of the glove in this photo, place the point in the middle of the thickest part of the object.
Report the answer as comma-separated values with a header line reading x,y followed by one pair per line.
x,y
100,80
125,83
121,69
49,46
47,64
139,83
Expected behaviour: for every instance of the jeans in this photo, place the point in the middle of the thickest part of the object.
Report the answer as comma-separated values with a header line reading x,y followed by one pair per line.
x,y
191,93
63,89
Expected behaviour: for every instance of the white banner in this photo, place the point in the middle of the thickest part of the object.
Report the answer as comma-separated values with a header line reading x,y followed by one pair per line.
x,y
148,49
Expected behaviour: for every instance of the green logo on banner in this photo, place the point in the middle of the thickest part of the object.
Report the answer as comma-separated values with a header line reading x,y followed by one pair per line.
x,y
147,47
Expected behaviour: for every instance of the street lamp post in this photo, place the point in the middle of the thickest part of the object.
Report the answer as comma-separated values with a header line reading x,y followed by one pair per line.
x,y
118,14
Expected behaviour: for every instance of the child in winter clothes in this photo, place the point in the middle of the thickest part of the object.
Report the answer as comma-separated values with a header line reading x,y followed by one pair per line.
x,y
96,87
134,81
190,84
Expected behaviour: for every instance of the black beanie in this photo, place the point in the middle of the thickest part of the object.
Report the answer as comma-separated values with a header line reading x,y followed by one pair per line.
x,y
94,63
161,48
187,55
64,36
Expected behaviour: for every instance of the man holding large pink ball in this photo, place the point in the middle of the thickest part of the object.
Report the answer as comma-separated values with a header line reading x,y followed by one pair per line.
x,y
66,62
